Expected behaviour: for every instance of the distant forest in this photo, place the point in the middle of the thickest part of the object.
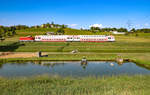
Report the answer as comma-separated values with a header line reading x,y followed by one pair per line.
x,y
6,31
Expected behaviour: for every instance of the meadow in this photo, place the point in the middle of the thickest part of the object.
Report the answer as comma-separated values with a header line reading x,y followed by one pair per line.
x,y
55,85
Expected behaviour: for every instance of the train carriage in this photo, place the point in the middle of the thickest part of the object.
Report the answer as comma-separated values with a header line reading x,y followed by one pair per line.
x,y
75,38
69,38
26,39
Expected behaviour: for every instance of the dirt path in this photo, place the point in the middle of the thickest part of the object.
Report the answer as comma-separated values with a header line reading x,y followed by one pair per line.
x,y
31,54
17,55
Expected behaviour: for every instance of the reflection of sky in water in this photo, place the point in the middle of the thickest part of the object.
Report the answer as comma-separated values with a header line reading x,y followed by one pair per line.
x,y
71,69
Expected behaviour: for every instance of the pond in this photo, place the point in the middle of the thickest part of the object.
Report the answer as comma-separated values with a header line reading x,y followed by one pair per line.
x,y
73,69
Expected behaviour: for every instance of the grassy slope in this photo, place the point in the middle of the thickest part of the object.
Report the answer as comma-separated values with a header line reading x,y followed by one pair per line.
x,y
68,31
121,85
123,44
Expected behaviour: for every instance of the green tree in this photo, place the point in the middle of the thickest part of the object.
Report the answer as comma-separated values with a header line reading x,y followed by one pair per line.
x,y
47,25
2,31
133,30
52,23
19,27
63,26
95,28
122,30
13,32
60,31
9,34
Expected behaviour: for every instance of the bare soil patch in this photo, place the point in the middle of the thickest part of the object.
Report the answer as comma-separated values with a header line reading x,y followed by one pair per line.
x,y
17,55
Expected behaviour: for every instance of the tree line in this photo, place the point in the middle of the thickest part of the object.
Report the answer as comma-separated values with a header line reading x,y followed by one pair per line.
x,y
97,29
7,32
108,29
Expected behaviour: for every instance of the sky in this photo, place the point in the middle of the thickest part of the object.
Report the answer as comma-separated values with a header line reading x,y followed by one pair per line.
x,y
77,13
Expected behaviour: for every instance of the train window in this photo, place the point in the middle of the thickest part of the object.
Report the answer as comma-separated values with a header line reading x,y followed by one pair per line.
x,y
109,37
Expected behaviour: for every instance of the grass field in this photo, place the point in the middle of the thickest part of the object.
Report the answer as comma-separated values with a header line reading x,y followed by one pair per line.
x,y
46,85
123,44
137,48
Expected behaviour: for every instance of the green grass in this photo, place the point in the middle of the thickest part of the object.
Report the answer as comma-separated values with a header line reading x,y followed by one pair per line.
x,y
68,31
48,85
33,32
147,35
123,44
68,57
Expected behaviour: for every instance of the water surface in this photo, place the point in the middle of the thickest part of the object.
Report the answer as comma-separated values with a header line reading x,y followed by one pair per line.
x,y
74,69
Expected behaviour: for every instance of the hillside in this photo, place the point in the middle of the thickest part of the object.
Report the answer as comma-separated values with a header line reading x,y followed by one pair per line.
x,y
68,31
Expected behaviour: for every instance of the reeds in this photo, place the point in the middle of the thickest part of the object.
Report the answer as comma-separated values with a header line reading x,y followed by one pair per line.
x,y
55,85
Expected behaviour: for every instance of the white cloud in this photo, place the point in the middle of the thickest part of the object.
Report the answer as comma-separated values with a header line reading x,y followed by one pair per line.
x,y
146,24
96,25
72,25
138,25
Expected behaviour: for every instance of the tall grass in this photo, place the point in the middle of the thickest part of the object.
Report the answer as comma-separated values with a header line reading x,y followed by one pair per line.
x,y
48,85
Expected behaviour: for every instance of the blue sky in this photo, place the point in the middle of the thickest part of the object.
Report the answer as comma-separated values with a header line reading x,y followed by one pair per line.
x,y
76,13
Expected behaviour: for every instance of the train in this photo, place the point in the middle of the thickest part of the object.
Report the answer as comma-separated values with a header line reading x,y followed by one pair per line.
x,y
69,38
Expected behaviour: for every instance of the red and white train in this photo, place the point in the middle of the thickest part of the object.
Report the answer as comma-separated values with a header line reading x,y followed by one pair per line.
x,y
69,38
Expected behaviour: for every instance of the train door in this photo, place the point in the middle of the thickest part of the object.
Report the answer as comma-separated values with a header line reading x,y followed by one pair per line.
x,y
76,38
69,38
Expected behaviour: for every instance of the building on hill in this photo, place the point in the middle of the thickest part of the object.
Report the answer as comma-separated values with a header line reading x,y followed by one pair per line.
x,y
52,26
43,25
50,33
116,32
